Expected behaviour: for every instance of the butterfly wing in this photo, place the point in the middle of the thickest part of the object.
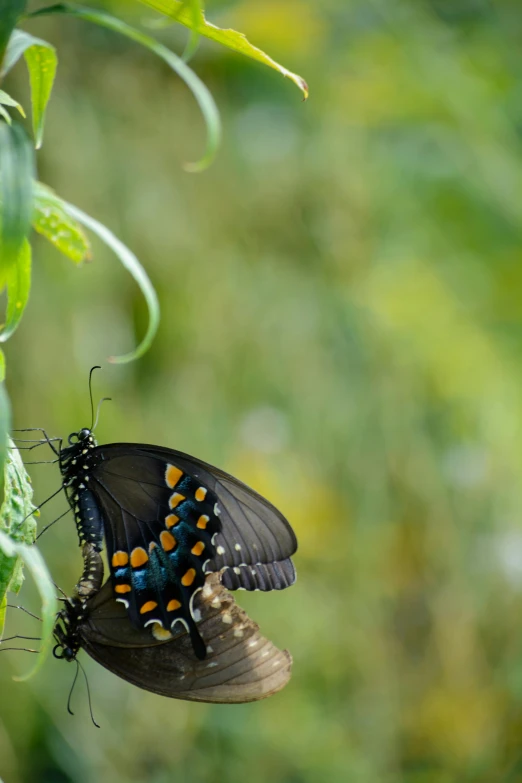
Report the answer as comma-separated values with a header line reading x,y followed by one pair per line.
x,y
253,532
241,665
159,525
169,519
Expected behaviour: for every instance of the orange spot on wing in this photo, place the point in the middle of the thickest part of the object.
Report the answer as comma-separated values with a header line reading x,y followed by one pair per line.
x,y
172,476
173,605
168,541
176,499
188,577
123,588
202,521
148,607
120,559
200,493
198,548
138,557
171,520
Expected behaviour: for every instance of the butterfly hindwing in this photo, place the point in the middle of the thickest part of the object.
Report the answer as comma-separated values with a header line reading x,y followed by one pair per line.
x,y
241,665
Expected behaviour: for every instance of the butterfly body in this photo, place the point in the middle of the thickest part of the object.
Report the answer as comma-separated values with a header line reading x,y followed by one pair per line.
x,y
168,520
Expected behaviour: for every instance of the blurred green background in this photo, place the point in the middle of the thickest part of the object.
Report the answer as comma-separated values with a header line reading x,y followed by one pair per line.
x,y
342,329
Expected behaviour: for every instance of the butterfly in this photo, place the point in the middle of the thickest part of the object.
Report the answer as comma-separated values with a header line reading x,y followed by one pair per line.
x,y
168,520
241,665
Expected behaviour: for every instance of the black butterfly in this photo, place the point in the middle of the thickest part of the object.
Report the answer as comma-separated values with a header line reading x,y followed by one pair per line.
x,y
240,665
169,519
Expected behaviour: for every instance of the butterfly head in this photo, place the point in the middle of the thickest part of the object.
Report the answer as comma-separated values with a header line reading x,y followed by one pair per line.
x,y
84,436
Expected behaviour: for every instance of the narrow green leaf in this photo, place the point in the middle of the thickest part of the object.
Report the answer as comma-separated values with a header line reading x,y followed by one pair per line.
x,y
179,12
36,565
5,114
131,263
16,191
199,90
127,258
2,366
41,61
52,221
10,12
195,9
6,99
17,278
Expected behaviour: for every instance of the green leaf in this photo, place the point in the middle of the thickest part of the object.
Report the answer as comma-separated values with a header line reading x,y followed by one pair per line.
x,y
195,9
10,12
5,425
179,12
17,518
32,558
199,90
16,191
129,261
41,61
17,278
2,366
5,114
52,221
8,101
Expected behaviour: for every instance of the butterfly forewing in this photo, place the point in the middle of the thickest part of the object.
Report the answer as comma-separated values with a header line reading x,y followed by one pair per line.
x,y
252,529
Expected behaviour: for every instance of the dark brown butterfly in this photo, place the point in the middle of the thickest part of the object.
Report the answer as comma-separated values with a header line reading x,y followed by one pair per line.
x,y
168,520
240,664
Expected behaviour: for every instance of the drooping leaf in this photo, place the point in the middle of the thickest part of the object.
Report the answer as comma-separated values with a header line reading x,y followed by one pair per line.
x,y
131,263
127,258
52,221
5,114
183,13
8,101
199,90
16,191
17,279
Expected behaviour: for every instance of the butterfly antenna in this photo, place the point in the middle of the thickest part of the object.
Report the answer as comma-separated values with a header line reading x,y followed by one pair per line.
x,y
72,686
88,693
103,399
96,367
